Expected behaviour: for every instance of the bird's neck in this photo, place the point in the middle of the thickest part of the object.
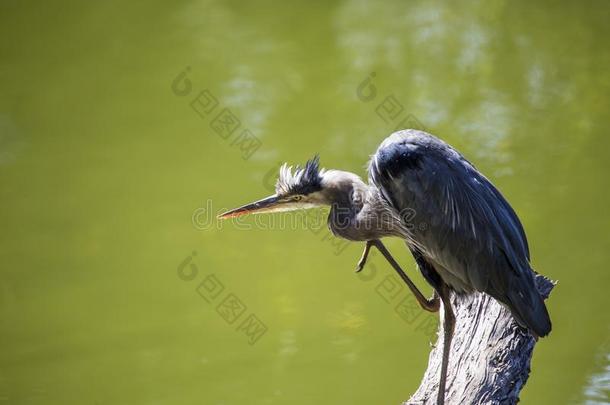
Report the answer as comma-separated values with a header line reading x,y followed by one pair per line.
x,y
343,189
358,212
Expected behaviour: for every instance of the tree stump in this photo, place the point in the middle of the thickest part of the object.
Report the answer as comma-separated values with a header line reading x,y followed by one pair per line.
x,y
489,362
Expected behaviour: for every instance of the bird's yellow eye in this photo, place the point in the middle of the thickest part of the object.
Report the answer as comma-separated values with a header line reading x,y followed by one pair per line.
x,y
297,197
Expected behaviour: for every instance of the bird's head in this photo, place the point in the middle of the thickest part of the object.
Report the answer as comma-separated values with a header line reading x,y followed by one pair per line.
x,y
299,189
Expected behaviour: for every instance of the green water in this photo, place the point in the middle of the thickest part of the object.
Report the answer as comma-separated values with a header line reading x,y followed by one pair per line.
x,y
103,165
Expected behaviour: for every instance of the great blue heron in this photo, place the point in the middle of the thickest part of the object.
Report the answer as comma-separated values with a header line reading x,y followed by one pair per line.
x,y
461,231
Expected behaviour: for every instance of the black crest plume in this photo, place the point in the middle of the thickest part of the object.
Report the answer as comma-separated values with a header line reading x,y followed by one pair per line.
x,y
303,181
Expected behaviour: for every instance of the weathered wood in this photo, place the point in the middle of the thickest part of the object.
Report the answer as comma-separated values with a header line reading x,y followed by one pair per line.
x,y
490,354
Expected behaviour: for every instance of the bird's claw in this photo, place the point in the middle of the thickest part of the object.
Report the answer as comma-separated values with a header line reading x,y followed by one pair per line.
x,y
360,266
363,258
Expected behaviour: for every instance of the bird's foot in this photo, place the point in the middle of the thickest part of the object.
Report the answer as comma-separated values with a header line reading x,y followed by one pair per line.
x,y
364,257
360,266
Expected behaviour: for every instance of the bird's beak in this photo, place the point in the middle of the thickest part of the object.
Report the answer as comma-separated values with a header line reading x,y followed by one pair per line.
x,y
269,204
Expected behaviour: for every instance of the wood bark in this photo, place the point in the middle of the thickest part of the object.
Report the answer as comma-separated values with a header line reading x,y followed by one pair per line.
x,y
490,356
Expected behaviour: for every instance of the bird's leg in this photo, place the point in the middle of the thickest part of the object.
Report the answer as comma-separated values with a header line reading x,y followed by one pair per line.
x,y
365,255
448,327
432,304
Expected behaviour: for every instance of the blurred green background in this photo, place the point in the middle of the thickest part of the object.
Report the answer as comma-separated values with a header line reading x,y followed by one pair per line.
x,y
104,166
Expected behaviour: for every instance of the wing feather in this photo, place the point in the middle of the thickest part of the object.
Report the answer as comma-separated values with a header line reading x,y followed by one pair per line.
x,y
463,224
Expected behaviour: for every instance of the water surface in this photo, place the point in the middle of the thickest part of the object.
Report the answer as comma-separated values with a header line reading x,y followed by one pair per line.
x,y
103,165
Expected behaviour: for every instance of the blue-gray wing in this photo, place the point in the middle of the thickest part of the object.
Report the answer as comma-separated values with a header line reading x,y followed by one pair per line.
x,y
459,222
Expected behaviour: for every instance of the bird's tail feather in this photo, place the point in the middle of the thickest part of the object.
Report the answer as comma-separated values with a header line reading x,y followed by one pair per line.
x,y
527,305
